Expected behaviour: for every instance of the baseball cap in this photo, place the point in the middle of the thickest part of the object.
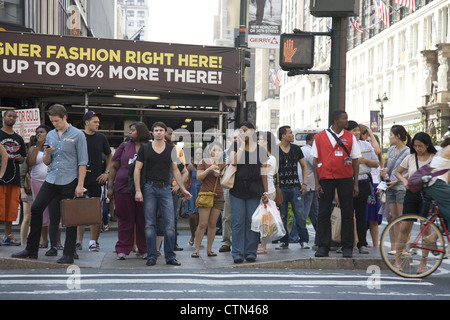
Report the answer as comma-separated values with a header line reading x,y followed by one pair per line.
x,y
90,114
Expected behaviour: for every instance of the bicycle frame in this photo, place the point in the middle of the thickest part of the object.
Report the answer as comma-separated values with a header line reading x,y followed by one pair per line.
x,y
436,214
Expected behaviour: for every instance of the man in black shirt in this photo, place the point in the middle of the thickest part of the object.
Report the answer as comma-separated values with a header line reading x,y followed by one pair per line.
x,y
159,158
10,182
95,177
293,190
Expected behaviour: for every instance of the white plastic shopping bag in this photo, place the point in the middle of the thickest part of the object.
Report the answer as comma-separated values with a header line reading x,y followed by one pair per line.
x,y
257,218
267,221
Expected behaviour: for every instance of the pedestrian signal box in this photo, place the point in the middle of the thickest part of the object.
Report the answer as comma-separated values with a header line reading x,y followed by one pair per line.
x,y
334,8
296,51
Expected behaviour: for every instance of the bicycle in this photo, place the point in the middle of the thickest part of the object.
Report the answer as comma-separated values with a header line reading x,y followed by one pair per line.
x,y
411,258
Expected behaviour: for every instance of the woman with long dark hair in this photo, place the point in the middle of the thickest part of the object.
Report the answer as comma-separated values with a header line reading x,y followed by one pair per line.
x,y
422,152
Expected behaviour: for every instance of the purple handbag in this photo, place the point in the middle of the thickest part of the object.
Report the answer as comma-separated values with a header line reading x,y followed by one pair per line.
x,y
422,176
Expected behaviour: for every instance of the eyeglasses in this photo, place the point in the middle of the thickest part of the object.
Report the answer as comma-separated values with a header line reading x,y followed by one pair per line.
x,y
419,147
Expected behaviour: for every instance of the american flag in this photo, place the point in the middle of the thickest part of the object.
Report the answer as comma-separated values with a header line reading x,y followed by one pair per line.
x,y
356,25
382,12
279,74
411,4
273,78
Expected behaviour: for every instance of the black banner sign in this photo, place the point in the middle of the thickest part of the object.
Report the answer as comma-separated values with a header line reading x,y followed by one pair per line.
x,y
118,64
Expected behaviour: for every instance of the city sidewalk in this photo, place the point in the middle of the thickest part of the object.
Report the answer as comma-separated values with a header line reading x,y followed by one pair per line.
x,y
292,258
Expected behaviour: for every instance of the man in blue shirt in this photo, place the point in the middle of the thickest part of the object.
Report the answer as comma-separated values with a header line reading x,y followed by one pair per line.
x,y
66,156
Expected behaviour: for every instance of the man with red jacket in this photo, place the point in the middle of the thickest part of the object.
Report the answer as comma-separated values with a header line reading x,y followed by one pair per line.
x,y
336,167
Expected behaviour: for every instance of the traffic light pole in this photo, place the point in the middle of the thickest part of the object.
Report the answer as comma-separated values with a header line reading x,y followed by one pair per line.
x,y
337,71
239,114
338,65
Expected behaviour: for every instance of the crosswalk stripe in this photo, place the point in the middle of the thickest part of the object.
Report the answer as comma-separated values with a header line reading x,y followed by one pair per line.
x,y
206,279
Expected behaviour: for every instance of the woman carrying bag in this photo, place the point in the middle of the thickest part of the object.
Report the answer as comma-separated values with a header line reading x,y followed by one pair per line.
x,y
210,200
422,153
249,189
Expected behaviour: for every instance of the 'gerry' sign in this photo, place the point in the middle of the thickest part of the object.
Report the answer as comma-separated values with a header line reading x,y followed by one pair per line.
x,y
118,64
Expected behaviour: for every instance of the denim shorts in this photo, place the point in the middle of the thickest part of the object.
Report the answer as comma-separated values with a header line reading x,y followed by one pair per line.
x,y
395,196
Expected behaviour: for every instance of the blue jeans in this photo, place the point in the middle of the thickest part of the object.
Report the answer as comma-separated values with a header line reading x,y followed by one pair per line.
x,y
159,199
311,208
294,196
244,240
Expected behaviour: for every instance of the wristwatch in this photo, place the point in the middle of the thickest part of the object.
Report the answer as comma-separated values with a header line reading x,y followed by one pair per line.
x,y
107,171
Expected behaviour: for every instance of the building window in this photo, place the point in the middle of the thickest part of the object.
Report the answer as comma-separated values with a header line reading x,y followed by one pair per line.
x,y
13,12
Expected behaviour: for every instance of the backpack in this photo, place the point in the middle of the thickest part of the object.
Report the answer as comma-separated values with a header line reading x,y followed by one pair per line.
x,y
422,176
131,185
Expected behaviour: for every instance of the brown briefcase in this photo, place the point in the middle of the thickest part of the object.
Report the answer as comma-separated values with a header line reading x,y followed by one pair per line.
x,y
81,212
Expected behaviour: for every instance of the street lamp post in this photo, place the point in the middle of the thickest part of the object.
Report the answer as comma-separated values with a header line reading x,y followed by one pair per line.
x,y
381,101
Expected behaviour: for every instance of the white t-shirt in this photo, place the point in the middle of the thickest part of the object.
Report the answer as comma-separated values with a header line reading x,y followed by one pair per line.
x,y
409,163
440,163
306,149
272,163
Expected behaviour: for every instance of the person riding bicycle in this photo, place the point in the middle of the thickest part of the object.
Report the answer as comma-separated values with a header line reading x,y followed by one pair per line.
x,y
439,188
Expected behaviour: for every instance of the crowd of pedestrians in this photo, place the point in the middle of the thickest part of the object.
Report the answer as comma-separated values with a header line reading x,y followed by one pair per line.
x,y
341,166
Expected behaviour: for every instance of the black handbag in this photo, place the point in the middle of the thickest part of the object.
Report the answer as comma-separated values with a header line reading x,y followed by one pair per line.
x,y
131,185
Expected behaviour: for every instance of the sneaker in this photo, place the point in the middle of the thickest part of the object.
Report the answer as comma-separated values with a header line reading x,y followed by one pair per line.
x,y
78,246
10,241
121,256
151,262
142,255
224,248
304,245
282,246
363,250
95,247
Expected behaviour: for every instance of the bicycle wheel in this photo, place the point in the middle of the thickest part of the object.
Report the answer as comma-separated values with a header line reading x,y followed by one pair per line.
x,y
409,255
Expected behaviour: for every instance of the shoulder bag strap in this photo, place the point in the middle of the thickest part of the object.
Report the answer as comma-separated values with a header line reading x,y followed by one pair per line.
x,y
215,185
417,161
396,159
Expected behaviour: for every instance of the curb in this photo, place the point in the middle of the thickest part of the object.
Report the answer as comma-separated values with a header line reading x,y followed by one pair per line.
x,y
317,264
308,263
21,264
